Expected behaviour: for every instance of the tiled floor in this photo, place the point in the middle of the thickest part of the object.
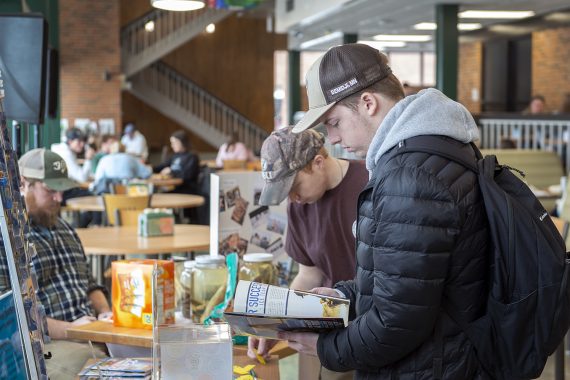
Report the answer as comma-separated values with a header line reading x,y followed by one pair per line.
x,y
288,369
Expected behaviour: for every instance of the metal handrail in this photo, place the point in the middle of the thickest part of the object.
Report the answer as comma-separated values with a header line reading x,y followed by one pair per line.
x,y
192,98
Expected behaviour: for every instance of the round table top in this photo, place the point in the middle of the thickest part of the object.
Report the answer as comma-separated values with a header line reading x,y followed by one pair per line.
x,y
159,200
158,180
124,240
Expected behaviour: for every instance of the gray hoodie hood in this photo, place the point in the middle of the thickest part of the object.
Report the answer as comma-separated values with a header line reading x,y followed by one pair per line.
x,y
429,112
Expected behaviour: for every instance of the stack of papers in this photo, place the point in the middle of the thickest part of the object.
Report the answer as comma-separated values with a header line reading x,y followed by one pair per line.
x,y
117,369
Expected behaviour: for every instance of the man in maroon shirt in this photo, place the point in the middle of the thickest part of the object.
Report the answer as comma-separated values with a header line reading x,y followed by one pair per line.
x,y
323,193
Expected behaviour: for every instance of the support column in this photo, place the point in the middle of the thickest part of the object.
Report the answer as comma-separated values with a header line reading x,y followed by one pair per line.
x,y
446,47
349,38
294,93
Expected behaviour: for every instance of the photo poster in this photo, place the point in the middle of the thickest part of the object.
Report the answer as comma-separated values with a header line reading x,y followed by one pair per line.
x,y
239,224
12,362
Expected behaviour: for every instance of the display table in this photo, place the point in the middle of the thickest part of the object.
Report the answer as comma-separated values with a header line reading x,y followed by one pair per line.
x,y
269,371
159,200
106,332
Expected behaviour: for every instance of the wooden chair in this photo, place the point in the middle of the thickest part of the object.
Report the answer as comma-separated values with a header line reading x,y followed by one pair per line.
x,y
118,188
115,204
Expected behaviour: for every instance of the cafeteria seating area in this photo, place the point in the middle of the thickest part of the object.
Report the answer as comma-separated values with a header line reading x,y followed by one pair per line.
x,y
131,135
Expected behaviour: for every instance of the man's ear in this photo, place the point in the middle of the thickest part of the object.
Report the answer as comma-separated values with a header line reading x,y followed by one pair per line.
x,y
318,161
370,103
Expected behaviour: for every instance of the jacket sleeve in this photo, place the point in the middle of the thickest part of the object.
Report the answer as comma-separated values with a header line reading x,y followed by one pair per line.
x,y
190,169
164,164
415,221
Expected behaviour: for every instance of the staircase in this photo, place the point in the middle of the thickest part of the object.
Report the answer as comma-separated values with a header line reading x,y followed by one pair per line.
x,y
180,99
140,48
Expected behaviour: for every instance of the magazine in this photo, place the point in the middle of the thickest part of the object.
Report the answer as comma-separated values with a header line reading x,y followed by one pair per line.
x,y
264,310
115,368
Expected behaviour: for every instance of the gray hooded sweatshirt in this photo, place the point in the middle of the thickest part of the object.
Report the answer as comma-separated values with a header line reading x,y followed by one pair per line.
x,y
428,112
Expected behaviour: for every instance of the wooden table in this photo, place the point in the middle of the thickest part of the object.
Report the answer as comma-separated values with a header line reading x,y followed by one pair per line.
x,y
161,181
106,332
124,240
95,203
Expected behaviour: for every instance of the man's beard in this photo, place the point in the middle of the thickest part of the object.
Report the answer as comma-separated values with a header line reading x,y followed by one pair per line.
x,y
44,218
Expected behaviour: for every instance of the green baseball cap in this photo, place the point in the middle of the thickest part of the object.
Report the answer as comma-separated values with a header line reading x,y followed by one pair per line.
x,y
48,167
283,154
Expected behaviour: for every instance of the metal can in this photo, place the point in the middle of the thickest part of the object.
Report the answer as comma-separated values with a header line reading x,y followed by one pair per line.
x,y
258,267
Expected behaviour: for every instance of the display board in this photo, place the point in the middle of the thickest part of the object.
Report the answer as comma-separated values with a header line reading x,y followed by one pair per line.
x,y
16,256
239,224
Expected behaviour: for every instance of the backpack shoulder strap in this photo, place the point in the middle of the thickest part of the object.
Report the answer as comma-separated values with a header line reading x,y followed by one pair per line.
x,y
442,146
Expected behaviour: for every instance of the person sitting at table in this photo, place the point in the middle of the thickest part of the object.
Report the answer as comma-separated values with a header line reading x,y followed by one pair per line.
x,y
135,142
106,145
536,106
65,288
116,167
232,150
182,164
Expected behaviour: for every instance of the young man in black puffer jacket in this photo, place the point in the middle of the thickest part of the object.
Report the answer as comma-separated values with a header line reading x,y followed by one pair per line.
x,y
422,234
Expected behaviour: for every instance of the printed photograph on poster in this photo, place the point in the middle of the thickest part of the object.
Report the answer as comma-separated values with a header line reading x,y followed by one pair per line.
x,y
276,223
256,195
232,195
239,211
222,202
233,243
275,246
258,217
262,240
283,271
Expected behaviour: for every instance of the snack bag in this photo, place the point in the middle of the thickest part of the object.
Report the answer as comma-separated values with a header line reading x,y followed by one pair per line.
x,y
132,292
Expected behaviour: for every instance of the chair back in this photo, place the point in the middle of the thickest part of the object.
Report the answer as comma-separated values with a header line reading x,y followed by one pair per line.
x,y
116,202
128,217
118,188
235,164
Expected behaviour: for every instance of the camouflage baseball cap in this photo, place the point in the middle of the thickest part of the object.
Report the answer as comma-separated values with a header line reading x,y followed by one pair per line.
x,y
283,154
47,167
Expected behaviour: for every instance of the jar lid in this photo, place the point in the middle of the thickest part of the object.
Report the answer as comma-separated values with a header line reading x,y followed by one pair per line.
x,y
258,257
189,264
207,259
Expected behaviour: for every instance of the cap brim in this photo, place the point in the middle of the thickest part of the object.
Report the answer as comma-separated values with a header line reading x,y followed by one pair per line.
x,y
274,193
60,184
311,118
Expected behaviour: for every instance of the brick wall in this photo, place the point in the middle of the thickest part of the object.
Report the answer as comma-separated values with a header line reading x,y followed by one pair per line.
x,y
89,40
550,65
470,75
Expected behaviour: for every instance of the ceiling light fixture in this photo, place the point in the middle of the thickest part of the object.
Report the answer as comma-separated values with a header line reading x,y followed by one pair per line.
x,y
211,28
149,26
381,45
463,26
178,5
496,14
402,37
321,40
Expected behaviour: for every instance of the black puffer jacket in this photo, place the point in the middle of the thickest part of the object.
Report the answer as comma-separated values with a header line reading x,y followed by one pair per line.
x,y
422,243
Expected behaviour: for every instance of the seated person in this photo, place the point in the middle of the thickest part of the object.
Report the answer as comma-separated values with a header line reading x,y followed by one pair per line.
x,y
118,166
536,106
182,164
232,150
106,145
65,287
135,142
74,146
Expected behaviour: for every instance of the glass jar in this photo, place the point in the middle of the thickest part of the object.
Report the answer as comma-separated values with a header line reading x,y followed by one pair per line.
x,y
258,267
208,285
186,287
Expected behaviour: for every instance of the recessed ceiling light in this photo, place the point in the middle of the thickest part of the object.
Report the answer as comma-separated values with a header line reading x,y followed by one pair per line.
x,y
381,45
496,14
149,26
402,37
461,26
211,28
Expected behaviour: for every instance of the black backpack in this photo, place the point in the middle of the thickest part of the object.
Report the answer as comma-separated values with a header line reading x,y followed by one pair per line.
x,y
528,305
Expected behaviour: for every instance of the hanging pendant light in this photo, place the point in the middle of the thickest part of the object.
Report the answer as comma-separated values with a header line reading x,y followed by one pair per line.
x,y
178,5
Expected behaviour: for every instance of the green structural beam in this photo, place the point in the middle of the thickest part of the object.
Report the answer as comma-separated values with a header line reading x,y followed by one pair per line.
x,y
349,38
294,83
446,47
